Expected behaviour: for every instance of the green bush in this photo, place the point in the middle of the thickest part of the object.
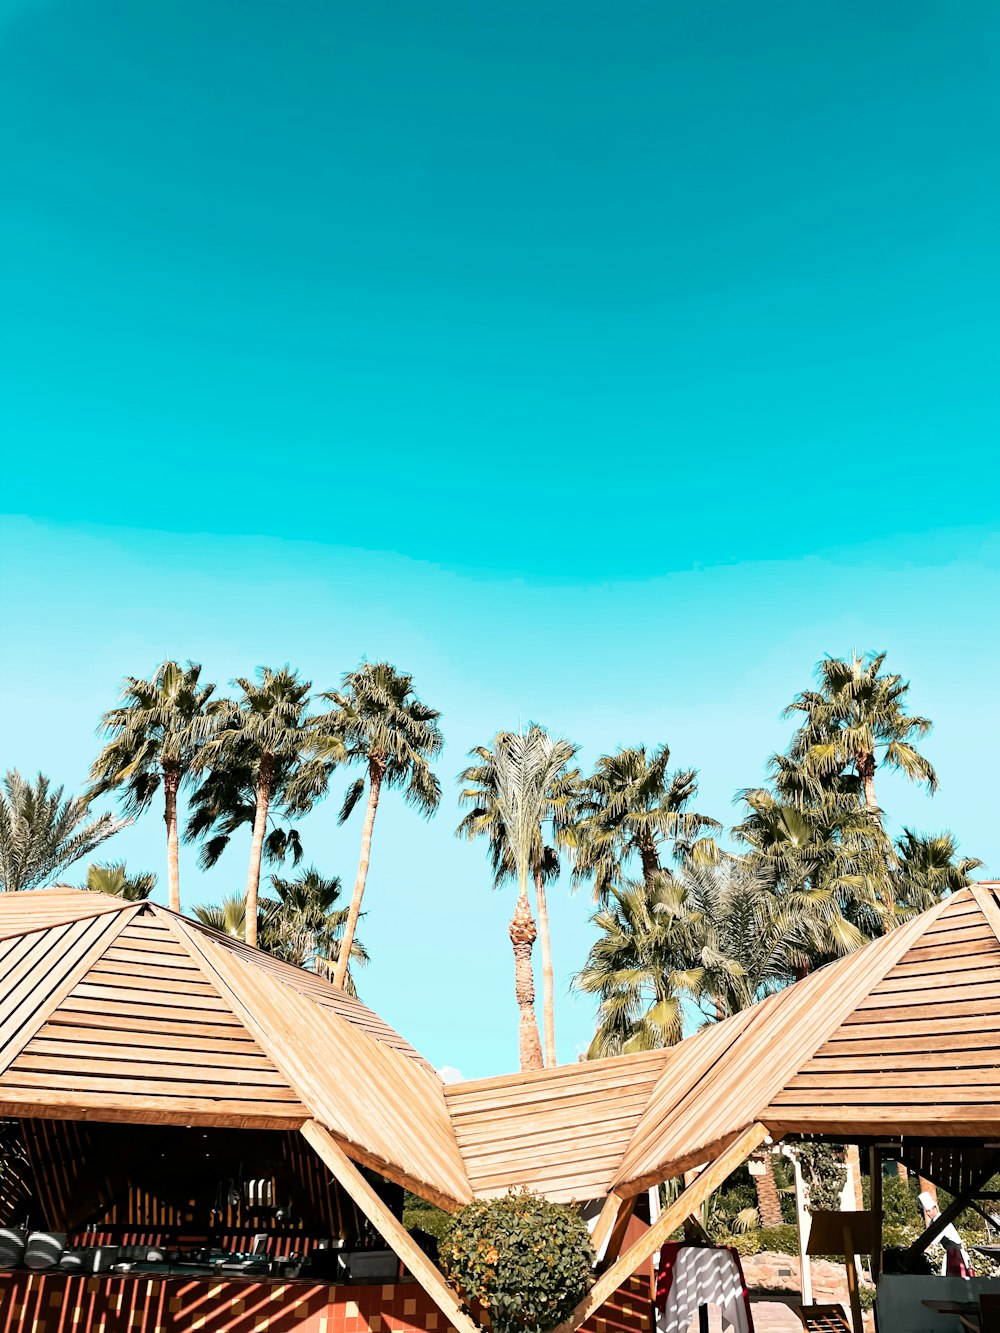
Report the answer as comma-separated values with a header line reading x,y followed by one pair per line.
x,y
782,1240
419,1215
525,1260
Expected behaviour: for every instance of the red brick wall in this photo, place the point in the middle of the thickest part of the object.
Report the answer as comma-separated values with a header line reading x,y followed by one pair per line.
x,y
66,1303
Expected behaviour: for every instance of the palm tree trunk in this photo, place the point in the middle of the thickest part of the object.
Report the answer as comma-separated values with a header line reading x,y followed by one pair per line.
x,y
257,848
650,861
171,784
522,937
376,771
865,764
548,988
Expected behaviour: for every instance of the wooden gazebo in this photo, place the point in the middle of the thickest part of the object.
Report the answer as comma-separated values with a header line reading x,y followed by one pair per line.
x,y
127,1013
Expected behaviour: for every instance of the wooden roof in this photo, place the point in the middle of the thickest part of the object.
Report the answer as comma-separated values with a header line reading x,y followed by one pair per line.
x,y
124,1011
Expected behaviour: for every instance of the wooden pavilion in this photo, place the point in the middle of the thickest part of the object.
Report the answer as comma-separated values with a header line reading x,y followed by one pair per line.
x,y
115,1013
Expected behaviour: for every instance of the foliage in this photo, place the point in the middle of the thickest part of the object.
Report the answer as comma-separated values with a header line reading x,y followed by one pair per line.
x,y
419,1215
858,718
899,1200
304,926
928,869
632,806
112,878
779,1240
824,1172
41,834
156,732
527,1261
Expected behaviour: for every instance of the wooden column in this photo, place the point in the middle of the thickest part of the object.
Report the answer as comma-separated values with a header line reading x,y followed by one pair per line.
x,y
669,1220
389,1228
875,1173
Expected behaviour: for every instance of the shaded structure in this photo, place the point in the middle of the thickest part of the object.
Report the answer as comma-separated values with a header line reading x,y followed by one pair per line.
x,y
125,1013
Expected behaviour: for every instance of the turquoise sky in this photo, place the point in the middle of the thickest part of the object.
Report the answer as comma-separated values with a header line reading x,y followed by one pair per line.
x,y
600,364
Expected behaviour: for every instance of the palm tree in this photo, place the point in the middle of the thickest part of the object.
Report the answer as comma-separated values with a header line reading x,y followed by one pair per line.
x,y
484,820
826,865
641,966
379,722
633,806
112,878
262,732
305,926
858,717
226,802
930,869
41,833
524,768
155,738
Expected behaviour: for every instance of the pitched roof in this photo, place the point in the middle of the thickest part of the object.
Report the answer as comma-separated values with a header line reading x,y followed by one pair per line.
x,y
116,1010
113,1010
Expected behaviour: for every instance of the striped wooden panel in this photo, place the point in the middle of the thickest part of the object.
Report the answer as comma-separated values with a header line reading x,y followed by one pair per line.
x,y
315,988
561,1131
38,969
387,1110
41,908
773,1040
146,1028
923,1046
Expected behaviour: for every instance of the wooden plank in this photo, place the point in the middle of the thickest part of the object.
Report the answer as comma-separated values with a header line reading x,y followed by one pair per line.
x,y
392,1232
689,1201
53,1081
30,998
987,903
146,1111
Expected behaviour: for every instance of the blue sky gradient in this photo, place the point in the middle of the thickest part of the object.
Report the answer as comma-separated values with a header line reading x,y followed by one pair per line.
x,y
600,365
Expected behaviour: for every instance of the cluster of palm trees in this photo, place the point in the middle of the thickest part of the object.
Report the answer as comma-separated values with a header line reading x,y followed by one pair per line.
x,y
813,874
261,760
689,928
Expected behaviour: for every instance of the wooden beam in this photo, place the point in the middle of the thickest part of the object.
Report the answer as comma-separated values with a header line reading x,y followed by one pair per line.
x,y
669,1220
605,1223
617,1237
389,1228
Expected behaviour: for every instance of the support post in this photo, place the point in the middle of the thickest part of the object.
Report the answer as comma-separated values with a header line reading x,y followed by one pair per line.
x,y
389,1228
875,1176
600,1237
669,1220
857,1318
803,1221
617,1237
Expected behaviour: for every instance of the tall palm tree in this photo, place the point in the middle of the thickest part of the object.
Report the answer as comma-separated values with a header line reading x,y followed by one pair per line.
x,y
858,717
632,806
265,729
524,768
930,869
41,833
378,721
112,878
484,820
305,927
155,737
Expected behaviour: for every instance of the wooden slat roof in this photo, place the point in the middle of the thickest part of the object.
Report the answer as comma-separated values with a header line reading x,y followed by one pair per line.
x,y
113,1010
562,1131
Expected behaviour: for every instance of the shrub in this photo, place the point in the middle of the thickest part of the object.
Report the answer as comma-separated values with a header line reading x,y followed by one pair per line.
x,y
782,1240
527,1261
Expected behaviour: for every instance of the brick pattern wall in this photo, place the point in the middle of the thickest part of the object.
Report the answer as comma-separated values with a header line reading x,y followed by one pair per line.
x,y
68,1303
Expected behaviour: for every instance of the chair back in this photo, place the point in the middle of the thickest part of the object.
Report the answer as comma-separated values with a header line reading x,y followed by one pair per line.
x,y
12,1243
823,1318
44,1250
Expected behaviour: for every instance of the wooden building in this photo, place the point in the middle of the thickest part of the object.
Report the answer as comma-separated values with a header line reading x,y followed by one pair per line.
x,y
129,1034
